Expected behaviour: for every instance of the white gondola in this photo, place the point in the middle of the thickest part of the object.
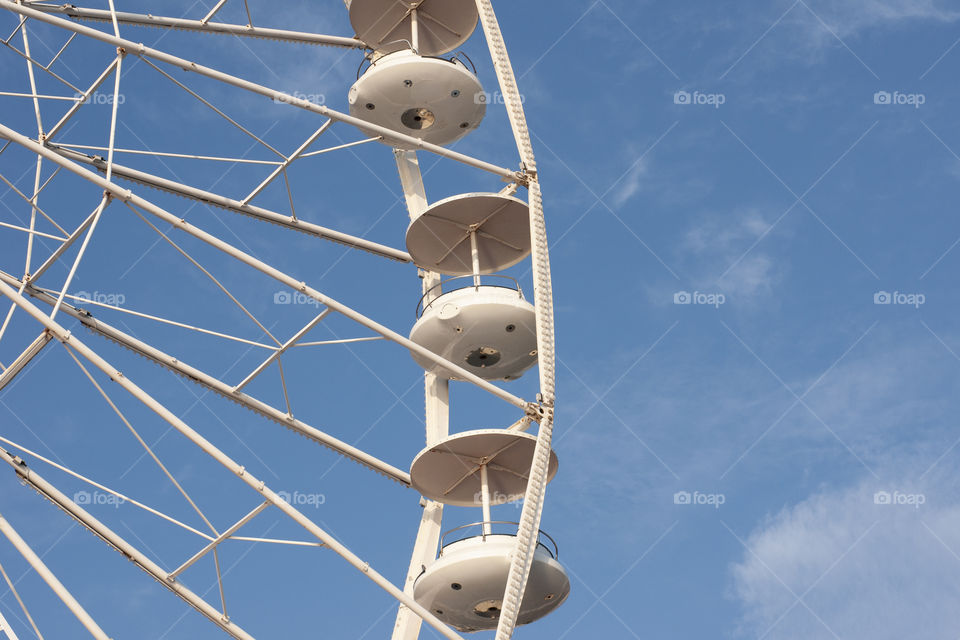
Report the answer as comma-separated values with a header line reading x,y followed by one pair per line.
x,y
442,238
488,329
465,585
433,99
434,27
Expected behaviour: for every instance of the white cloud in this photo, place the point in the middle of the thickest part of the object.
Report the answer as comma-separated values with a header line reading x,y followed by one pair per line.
x,y
724,242
632,183
865,571
848,17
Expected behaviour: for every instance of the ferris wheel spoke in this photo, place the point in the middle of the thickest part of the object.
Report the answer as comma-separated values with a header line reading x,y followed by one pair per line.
x,y
203,26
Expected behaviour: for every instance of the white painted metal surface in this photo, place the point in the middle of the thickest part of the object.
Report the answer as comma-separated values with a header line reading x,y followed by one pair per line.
x,y
450,470
464,587
431,99
441,238
438,26
490,330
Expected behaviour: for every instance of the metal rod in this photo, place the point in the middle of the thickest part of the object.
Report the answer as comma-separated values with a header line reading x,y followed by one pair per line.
x,y
85,96
300,37
7,629
79,514
276,354
226,461
485,500
286,163
23,607
414,30
24,359
140,49
55,585
475,257
223,536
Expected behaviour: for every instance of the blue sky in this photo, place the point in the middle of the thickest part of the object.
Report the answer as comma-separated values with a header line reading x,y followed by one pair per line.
x,y
786,167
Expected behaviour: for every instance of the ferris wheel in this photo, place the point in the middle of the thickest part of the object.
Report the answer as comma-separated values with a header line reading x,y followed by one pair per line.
x,y
417,94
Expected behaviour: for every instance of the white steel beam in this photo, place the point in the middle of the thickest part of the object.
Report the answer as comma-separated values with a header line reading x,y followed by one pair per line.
x,y
55,585
226,461
437,395
204,26
111,538
7,629
217,386
139,49
212,240
235,206
24,359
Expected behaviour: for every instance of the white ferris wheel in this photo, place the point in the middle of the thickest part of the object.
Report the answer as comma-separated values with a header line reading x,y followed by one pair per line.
x,y
80,193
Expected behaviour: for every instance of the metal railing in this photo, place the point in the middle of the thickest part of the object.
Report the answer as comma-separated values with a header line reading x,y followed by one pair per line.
x,y
542,538
475,282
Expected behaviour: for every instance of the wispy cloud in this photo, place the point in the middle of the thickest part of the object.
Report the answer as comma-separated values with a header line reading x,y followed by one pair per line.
x,y
840,563
722,241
